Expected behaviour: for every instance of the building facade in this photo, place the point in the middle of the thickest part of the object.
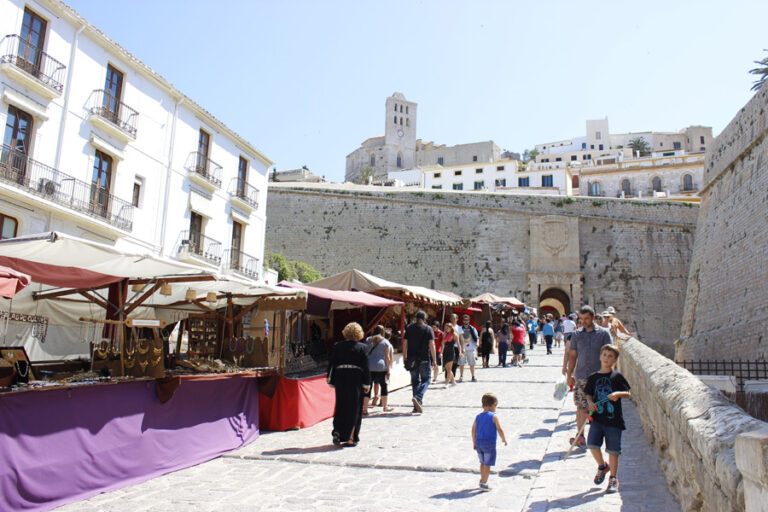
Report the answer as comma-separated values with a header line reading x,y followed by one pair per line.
x,y
98,145
399,148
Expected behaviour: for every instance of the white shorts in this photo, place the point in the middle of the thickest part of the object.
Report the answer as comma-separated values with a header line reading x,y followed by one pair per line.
x,y
470,357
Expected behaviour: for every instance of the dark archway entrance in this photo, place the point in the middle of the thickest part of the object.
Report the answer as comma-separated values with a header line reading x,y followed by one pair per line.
x,y
555,301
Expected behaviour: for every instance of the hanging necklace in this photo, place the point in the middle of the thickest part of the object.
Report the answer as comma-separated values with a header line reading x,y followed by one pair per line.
x,y
142,350
24,373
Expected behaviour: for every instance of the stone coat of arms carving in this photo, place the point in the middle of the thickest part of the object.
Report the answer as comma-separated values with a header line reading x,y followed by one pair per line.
x,y
555,237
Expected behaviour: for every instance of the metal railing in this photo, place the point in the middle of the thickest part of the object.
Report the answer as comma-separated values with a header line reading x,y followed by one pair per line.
x,y
244,191
201,245
106,106
30,175
742,370
32,60
241,262
206,168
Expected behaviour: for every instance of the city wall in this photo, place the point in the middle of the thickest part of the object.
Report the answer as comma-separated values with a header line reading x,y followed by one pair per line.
x,y
713,454
632,255
726,307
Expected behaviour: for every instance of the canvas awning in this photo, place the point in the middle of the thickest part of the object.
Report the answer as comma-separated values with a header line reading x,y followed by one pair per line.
x,y
361,281
12,282
321,301
489,298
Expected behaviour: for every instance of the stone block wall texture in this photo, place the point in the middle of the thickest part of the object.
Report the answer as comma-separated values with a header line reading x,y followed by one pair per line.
x,y
634,255
691,427
726,308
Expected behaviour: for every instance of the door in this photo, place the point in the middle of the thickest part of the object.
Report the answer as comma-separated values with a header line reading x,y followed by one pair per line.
x,y
101,183
237,239
203,146
195,233
242,177
31,41
16,145
113,90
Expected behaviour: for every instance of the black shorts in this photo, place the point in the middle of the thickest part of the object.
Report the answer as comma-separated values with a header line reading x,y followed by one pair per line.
x,y
517,348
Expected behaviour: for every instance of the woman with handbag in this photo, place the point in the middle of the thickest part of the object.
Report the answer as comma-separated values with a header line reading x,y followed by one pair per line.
x,y
349,374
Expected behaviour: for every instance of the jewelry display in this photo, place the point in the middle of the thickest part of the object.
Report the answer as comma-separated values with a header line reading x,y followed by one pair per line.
x,y
157,360
101,350
130,363
25,372
157,351
250,345
128,351
143,350
143,365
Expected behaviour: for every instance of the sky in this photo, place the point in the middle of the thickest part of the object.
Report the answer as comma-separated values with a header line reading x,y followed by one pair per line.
x,y
305,81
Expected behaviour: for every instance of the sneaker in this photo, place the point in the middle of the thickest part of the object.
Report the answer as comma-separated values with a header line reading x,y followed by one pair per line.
x,y
461,379
484,487
416,405
613,485
601,472
474,379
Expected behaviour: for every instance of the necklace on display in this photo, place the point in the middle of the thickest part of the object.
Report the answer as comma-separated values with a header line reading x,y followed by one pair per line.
x,y
143,365
24,373
142,350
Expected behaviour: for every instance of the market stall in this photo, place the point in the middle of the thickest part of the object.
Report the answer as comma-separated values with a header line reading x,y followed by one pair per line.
x,y
496,309
125,399
302,397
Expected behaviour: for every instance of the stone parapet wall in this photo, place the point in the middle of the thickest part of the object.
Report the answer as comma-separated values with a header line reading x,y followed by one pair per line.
x,y
726,306
692,428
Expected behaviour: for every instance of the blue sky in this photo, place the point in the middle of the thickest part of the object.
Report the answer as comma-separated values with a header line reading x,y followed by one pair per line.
x,y
306,81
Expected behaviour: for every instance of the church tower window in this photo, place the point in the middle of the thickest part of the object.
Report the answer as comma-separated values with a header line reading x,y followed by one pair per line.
x,y
407,122
399,160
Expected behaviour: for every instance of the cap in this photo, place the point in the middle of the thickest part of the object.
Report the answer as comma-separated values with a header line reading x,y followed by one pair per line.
x,y
611,310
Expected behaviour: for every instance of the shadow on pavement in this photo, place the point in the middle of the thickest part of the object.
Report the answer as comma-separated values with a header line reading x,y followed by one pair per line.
x,y
541,432
302,451
570,501
518,467
380,415
457,495
575,454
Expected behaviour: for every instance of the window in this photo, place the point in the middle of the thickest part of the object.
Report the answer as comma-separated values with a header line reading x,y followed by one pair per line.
x,y
16,140
479,185
676,145
395,107
8,227
499,167
457,173
439,160
626,188
195,232
558,159
544,160
597,135
583,145
501,183
586,157
594,188
474,158
203,148
701,139
574,158
399,160
401,109
401,120
661,144
373,160
137,186
656,184
32,41
113,91
479,171
437,187
668,153
687,182
702,148
395,118
523,182
407,122
237,241
458,186
438,174
101,183
546,181
591,146
600,147
406,109
242,177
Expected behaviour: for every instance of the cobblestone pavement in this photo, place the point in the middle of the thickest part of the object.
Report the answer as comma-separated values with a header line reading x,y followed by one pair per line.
x,y
408,462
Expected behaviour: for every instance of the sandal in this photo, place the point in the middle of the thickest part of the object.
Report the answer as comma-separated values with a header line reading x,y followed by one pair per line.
x,y
388,409
375,401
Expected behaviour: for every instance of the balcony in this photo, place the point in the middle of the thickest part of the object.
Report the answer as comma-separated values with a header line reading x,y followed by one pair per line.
x,y
113,116
195,246
245,264
32,66
204,171
245,195
23,173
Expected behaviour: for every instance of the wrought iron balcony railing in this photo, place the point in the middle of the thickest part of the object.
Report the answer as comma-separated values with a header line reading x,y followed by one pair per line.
x,y
241,262
207,168
32,60
201,245
245,192
29,175
106,106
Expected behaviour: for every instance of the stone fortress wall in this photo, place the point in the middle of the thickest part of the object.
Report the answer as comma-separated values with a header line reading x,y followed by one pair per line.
x,y
632,255
726,307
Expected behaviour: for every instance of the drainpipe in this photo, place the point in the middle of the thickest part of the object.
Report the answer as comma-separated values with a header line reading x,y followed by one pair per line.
x,y
65,108
163,217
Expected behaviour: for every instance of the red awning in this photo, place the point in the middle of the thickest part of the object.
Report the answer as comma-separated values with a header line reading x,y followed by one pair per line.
x,y
12,282
360,299
55,275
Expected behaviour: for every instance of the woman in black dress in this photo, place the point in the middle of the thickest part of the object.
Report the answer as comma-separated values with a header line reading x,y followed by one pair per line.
x,y
487,342
348,373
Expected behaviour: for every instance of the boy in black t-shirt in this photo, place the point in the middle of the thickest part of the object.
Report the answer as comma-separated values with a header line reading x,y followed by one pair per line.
x,y
604,391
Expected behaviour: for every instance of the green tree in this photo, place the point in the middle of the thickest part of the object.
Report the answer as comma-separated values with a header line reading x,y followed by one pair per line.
x,y
641,145
761,71
530,154
365,173
288,270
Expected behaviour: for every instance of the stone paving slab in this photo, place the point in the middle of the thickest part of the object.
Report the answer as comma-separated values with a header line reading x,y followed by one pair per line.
x,y
418,462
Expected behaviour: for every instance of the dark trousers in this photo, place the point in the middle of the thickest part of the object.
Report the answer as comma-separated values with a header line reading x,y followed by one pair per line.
x,y
548,339
348,416
379,378
420,379
532,339
503,347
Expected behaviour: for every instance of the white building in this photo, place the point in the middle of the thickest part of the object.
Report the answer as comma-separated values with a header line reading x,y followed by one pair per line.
x,y
501,175
98,145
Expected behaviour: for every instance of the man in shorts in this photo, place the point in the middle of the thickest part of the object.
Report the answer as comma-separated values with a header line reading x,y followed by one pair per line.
x,y
584,360
468,336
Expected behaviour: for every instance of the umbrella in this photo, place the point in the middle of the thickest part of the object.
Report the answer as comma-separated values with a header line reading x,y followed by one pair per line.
x,y
12,282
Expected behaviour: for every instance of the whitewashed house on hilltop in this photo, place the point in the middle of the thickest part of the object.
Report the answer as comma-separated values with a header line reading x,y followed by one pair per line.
x,y
98,145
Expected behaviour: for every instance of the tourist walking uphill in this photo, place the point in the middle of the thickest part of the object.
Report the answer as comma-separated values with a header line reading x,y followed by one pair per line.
x,y
548,331
503,340
469,338
487,342
583,361
518,343
438,349
419,357
450,352
532,325
380,358
349,374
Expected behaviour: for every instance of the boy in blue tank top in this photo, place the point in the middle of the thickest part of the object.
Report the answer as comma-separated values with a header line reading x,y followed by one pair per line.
x,y
484,430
